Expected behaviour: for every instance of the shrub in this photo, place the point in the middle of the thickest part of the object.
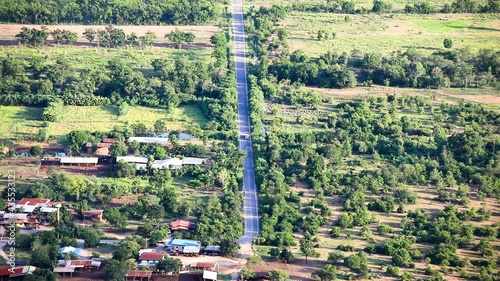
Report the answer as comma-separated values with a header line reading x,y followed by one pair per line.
x,y
392,270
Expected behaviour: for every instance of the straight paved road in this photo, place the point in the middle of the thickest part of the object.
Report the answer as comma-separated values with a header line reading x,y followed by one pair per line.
x,y
250,206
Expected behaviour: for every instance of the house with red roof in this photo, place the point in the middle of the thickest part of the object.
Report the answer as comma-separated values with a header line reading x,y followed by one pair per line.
x,y
138,275
93,214
182,225
150,258
32,203
8,272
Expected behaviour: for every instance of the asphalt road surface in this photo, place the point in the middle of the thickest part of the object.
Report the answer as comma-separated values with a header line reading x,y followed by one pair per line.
x,y
250,206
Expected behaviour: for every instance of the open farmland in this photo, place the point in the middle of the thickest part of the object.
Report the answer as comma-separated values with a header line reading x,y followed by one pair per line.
x,y
21,122
387,33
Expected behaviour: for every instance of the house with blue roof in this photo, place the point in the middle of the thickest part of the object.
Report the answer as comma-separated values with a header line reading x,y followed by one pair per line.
x,y
182,246
81,253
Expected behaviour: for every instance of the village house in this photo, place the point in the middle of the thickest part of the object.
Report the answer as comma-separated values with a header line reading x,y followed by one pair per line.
x,y
150,258
139,275
185,247
93,215
206,266
171,163
182,225
79,160
101,148
16,273
28,205
80,253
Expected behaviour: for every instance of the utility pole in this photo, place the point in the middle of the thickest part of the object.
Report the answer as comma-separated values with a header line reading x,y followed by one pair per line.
x,y
58,206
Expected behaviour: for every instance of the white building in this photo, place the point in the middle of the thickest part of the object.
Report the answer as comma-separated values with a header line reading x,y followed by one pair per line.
x,y
133,159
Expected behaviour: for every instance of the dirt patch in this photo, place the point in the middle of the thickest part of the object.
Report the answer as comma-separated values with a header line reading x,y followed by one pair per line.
x,y
484,99
45,146
91,170
487,96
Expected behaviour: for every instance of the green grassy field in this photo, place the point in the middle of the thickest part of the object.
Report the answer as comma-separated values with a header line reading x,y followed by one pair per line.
x,y
391,32
89,57
18,122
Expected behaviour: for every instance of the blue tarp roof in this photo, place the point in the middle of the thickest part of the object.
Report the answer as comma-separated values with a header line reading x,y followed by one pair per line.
x,y
182,242
70,249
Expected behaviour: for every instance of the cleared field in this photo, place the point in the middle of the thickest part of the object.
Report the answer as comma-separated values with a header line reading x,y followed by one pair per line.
x,y
19,122
202,33
391,32
488,96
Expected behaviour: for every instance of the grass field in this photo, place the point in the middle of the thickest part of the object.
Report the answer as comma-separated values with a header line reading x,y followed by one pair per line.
x,y
16,122
391,32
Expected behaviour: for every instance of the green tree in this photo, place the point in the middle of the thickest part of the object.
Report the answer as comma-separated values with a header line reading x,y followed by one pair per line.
x,y
447,43
358,262
246,274
277,274
118,149
307,248
115,218
123,108
180,37
91,236
36,151
57,35
229,247
328,273
117,269
125,170
159,127
90,34
335,256
70,37
169,265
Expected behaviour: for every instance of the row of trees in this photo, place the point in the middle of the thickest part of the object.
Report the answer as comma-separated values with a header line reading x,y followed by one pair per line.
x,y
459,68
110,37
420,7
149,12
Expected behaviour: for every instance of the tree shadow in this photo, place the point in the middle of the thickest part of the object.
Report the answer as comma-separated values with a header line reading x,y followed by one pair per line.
x,y
423,48
111,109
30,114
476,28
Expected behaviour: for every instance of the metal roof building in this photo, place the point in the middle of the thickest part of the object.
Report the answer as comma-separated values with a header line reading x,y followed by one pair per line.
x,y
79,160
148,140
133,159
172,163
192,161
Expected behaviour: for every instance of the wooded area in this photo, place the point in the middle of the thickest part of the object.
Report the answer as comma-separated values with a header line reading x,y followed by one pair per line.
x,y
369,155
152,12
